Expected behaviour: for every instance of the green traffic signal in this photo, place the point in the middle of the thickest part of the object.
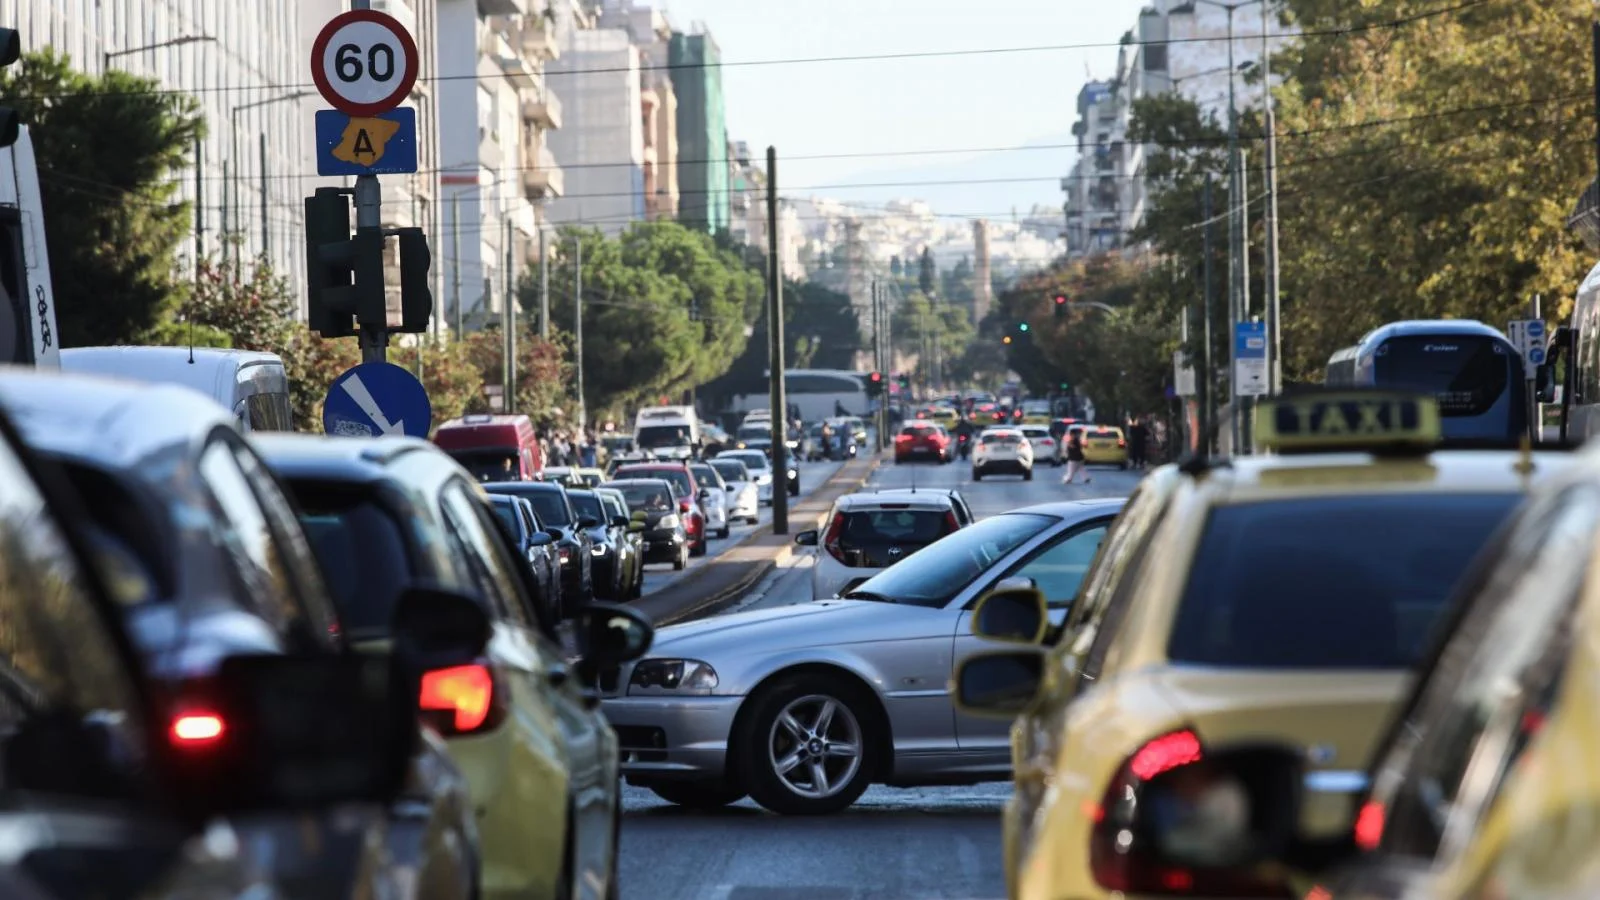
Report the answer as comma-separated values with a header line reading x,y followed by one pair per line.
x,y
1023,327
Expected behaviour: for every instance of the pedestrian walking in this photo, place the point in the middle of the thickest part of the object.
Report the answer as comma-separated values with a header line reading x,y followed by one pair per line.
x,y
1138,442
1075,458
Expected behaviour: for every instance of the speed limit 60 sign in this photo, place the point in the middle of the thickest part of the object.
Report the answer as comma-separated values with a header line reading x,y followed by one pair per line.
x,y
364,62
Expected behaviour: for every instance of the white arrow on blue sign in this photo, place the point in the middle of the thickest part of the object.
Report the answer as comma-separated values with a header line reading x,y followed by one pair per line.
x,y
375,399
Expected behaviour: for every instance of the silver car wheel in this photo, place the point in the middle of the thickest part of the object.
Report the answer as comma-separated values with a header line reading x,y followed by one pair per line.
x,y
815,746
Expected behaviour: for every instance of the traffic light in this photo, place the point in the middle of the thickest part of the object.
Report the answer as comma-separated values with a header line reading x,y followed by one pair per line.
x,y
1006,339
10,52
1061,306
874,384
344,272
416,298
1066,386
905,381
1023,327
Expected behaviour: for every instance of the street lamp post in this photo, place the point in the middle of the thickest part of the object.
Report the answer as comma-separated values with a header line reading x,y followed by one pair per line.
x,y
106,56
238,167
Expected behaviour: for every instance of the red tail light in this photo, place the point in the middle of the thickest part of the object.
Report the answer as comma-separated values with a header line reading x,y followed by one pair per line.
x,y
830,541
1369,825
1117,860
197,729
461,699
685,504
1122,442
951,525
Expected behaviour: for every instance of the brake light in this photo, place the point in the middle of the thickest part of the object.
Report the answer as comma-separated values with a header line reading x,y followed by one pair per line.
x,y
830,541
1369,825
1116,858
197,729
460,699
1121,442
951,525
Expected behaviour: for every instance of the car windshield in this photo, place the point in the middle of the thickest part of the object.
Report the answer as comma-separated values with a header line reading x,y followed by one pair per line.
x,y
654,437
936,575
755,462
496,464
748,432
650,496
1350,582
362,551
706,475
678,477
587,506
1467,374
548,502
731,470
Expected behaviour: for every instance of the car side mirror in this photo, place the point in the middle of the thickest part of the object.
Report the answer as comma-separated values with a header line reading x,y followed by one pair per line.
x,y
1545,383
999,685
1219,809
540,539
806,538
610,635
587,522
555,533
282,732
620,521
730,489
1012,612
705,494
435,628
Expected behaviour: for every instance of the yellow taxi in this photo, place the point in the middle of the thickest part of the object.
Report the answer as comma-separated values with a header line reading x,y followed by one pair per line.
x,y
942,415
1036,412
1103,445
1278,598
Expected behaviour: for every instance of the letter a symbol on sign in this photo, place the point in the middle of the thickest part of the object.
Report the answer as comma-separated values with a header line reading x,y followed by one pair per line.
x,y
364,144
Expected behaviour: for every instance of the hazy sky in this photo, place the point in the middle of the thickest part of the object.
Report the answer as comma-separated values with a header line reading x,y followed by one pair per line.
x,y
993,100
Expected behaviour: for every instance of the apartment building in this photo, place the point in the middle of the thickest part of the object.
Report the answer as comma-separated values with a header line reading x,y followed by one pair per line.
x,y
702,131
603,139
651,32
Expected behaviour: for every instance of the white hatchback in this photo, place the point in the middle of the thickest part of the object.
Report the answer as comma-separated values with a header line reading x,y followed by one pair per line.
x,y
869,532
1044,446
1001,451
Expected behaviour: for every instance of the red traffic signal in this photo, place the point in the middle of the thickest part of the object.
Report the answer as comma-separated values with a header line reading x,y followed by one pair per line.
x,y
1061,301
877,377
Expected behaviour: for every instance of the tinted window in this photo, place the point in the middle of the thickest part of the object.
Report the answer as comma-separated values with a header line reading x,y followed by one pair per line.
x,y
1467,374
506,510
679,478
645,495
731,470
490,464
57,649
1334,582
363,553
1001,440
755,462
138,531
257,564
652,437
919,430
899,526
614,507
480,551
587,506
935,576
747,432
549,503
707,476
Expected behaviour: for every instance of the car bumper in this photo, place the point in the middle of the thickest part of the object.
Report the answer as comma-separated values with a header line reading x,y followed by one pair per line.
x,y
672,737
1003,465
1105,457
663,546
919,453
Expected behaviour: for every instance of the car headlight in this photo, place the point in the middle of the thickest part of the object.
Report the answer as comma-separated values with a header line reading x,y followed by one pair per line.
x,y
665,675
739,446
668,522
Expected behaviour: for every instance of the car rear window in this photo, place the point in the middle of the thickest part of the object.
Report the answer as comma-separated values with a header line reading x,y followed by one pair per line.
x,y
1350,582
899,526
362,551
1004,440
732,470
919,430
678,477
498,464
548,503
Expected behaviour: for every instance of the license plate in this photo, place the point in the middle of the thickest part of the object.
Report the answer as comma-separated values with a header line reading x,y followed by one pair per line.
x,y
1102,445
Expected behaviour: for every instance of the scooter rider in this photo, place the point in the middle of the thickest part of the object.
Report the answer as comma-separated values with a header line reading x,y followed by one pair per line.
x,y
963,431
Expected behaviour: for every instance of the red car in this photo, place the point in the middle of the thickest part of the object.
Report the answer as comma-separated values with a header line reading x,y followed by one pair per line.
x,y
689,490
924,440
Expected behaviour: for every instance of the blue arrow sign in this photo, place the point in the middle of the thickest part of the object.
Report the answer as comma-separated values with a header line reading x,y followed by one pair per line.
x,y
384,144
375,399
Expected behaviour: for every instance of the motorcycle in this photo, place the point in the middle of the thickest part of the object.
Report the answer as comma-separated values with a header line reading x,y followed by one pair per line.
x,y
964,445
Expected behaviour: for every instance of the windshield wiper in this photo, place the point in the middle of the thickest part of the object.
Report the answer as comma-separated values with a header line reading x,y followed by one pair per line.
x,y
868,595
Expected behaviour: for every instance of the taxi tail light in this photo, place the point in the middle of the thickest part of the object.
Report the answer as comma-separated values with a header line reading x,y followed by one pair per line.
x,y
1122,442
830,541
1116,859
462,700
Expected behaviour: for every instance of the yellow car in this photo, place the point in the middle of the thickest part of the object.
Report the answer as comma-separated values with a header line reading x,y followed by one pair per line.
x,y
1103,445
1271,598
942,415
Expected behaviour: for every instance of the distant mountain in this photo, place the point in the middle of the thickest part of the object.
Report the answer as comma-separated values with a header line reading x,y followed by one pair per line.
x,y
1045,159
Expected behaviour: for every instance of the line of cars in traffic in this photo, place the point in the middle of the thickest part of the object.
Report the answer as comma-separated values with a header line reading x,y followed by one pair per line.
x,y
1008,449
283,665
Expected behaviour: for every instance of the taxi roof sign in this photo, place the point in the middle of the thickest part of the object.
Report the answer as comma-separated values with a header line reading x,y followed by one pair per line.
x,y
1332,421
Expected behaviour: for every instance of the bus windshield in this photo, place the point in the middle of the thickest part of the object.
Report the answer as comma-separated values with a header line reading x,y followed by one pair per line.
x,y
1467,374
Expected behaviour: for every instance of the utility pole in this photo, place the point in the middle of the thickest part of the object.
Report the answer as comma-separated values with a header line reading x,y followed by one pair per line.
x,y
544,285
1274,311
1243,406
199,203
266,228
780,406
508,320
369,214
577,331
223,222
455,266
1208,373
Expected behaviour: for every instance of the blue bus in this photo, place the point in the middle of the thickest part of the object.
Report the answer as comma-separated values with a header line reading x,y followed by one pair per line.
x,y
1472,369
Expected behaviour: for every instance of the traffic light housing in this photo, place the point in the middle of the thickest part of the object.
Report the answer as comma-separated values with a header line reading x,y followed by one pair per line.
x,y
1061,306
10,52
874,384
905,381
344,271
416,297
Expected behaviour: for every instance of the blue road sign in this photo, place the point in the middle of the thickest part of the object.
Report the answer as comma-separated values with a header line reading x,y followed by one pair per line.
x,y
1250,340
384,144
375,399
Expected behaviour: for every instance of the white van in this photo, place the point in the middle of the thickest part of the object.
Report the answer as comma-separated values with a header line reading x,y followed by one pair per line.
x,y
28,334
252,384
669,432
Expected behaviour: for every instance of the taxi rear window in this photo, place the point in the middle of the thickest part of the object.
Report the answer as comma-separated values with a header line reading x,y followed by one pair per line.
x,y
1351,582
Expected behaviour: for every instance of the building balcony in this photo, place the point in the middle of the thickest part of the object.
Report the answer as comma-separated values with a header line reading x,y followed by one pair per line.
x,y
518,70
542,179
502,7
542,108
538,38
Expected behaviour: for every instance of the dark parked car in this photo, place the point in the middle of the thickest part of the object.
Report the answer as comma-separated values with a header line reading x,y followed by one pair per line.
x,y
535,543
574,547
665,538
687,488
609,534
633,540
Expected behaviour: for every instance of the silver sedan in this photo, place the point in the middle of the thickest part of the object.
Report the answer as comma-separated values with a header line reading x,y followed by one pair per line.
x,y
803,707
744,499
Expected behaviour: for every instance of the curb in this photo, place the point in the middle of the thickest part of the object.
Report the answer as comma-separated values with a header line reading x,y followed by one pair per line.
x,y
729,595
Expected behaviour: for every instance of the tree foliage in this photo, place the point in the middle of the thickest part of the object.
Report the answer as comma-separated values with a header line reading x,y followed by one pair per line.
x,y
107,146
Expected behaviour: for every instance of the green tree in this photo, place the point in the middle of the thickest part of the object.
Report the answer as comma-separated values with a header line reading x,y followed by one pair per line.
x,y
107,147
927,273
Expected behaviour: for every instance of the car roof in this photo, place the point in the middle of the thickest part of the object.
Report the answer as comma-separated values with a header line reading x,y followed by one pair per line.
x,y
354,459
525,487
921,500
116,422
629,482
1256,478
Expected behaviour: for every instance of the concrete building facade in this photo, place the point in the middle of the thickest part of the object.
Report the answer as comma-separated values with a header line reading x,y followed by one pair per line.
x,y
652,35
602,139
702,131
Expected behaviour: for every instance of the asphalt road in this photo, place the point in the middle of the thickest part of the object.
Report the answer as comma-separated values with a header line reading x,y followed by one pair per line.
x,y
659,575
894,844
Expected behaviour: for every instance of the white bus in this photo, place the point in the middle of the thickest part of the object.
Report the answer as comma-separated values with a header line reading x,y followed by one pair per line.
x,y
815,394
